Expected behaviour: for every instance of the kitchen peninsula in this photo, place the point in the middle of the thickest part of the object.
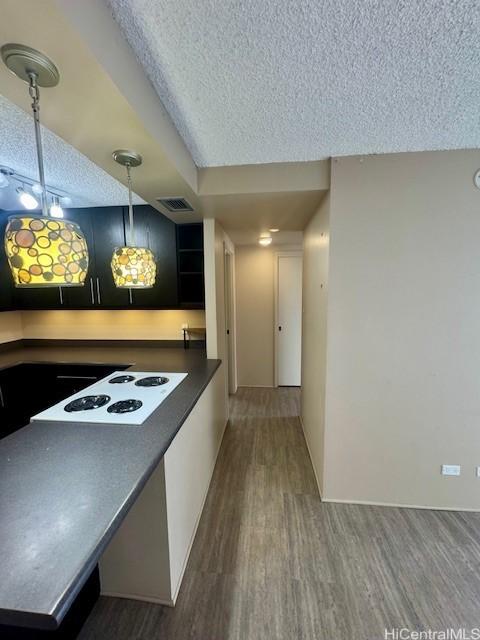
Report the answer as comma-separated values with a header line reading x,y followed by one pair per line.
x,y
68,489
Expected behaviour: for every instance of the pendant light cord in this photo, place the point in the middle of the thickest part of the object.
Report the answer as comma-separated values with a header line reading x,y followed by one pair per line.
x,y
130,206
34,92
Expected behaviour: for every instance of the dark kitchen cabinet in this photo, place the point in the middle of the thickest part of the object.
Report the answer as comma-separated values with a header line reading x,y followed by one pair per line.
x,y
30,387
83,297
191,279
6,281
156,232
48,298
108,234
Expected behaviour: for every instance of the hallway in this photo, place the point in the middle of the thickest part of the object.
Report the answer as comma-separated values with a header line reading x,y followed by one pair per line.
x,y
271,562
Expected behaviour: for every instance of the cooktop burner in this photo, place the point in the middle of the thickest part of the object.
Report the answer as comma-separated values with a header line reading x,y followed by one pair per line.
x,y
86,403
121,379
115,399
125,406
151,381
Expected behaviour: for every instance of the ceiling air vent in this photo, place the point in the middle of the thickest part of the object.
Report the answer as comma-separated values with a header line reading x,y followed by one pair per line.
x,y
176,205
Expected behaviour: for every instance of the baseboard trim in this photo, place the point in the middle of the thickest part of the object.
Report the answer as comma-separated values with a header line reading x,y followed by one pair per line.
x,y
311,459
142,598
255,386
369,503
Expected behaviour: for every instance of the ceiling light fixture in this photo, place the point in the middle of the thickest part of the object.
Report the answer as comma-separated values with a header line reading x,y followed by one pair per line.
x,y
27,200
56,210
9,176
5,173
265,241
37,189
41,251
274,230
132,267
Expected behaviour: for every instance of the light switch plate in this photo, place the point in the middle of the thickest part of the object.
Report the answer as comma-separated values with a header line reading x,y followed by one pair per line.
x,y
450,469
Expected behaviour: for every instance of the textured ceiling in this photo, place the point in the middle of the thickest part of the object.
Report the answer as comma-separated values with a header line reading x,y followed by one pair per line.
x,y
250,81
65,168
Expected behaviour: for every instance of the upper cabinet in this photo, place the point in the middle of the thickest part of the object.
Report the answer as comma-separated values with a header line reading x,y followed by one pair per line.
x,y
190,266
178,251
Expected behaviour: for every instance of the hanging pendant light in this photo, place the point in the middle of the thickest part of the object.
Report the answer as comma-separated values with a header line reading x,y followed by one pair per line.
x,y
132,267
41,251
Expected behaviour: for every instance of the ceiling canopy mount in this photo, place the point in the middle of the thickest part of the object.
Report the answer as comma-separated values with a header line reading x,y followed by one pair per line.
x,y
24,62
127,158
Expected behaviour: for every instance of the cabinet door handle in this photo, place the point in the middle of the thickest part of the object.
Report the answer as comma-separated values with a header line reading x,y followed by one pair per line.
x,y
92,293
2,400
60,293
98,292
130,297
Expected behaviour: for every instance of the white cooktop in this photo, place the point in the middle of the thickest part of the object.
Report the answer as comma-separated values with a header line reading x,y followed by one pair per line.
x,y
107,393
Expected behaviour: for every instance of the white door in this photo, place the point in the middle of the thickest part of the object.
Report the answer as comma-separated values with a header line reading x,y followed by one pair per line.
x,y
289,319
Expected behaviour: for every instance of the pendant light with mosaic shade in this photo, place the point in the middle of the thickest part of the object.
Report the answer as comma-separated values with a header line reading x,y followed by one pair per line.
x,y
132,267
42,251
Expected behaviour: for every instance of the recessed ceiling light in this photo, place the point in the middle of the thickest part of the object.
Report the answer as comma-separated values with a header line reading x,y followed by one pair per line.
x,y
265,241
274,230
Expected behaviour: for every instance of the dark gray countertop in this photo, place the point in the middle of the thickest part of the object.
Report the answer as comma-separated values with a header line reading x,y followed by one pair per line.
x,y
66,487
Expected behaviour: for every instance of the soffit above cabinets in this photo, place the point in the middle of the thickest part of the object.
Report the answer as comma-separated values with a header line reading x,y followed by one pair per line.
x,y
252,81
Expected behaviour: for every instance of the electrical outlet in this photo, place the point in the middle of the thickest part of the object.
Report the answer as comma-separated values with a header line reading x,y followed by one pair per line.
x,y
450,469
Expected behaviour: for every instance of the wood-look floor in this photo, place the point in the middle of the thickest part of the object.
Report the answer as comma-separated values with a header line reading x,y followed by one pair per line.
x,y
271,562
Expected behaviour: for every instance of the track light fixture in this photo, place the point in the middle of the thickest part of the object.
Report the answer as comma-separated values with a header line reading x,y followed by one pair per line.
x,y
56,210
5,173
27,200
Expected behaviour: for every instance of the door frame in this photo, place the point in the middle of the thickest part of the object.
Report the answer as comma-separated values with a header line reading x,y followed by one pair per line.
x,y
230,325
280,254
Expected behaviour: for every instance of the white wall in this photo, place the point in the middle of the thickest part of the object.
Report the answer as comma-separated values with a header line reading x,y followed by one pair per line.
x,y
403,356
216,241
314,334
255,315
